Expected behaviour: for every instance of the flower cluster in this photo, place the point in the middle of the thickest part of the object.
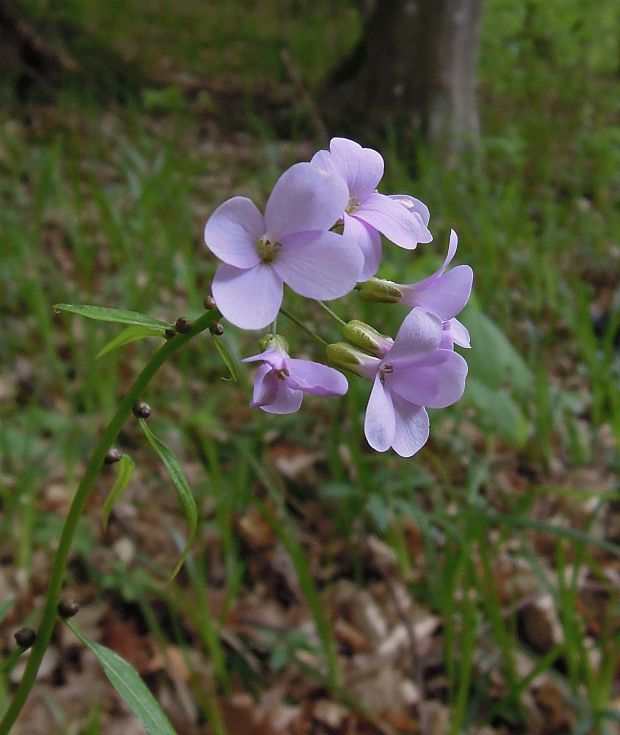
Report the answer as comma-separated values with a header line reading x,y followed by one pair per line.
x,y
321,235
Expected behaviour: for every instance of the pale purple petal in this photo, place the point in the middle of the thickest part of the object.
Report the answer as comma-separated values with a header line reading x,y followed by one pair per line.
x,y
304,198
444,295
233,231
460,333
326,162
413,205
400,225
361,168
380,422
419,334
287,400
437,380
312,377
265,386
412,427
319,265
275,357
369,242
249,299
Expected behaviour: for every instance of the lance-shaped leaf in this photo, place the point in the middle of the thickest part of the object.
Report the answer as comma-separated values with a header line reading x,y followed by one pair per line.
x,y
226,357
183,491
129,334
125,679
120,316
124,472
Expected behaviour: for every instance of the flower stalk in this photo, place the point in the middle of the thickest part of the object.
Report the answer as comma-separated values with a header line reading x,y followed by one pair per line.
x,y
59,565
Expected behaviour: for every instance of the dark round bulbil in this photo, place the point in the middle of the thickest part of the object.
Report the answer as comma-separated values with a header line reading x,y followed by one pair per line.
x,y
183,325
141,410
68,608
113,455
25,637
216,329
209,303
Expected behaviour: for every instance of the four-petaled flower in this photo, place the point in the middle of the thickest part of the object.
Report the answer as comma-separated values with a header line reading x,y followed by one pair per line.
x,y
291,244
281,381
444,294
402,219
415,373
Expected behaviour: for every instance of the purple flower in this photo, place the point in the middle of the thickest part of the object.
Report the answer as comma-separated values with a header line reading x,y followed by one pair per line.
x,y
445,294
290,244
415,373
402,219
281,381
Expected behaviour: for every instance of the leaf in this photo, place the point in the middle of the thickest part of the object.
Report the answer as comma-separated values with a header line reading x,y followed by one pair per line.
x,y
5,608
129,334
120,316
125,679
497,411
226,357
492,359
124,472
183,491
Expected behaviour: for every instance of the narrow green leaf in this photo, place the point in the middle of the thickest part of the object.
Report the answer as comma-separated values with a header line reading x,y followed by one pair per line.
x,y
124,472
183,491
120,316
129,334
125,679
226,357
5,608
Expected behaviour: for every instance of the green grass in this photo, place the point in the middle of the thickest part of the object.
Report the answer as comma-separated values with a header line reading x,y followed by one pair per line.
x,y
107,207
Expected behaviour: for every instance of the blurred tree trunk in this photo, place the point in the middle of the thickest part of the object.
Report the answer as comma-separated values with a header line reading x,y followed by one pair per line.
x,y
26,56
415,66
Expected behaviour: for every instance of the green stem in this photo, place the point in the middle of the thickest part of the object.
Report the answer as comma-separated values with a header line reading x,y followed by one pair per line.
x,y
59,565
327,310
301,325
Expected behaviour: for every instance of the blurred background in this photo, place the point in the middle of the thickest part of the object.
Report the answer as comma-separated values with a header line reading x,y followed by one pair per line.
x,y
471,589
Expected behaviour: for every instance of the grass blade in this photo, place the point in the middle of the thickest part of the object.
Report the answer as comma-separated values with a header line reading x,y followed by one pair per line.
x,y
125,679
124,473
181,486
119,316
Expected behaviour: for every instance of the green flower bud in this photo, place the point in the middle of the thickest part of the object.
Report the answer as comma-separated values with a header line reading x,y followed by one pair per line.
x,y
363,335
274,340
342,355
380,291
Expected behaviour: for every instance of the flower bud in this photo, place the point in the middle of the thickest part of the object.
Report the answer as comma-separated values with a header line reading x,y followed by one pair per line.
x,y
363,335
182,325
68,608
276,341
379,291
25,638
112,456
141,410
342,355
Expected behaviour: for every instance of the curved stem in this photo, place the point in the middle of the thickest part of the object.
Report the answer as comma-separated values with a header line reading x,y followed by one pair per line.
x,y
327,310
59,564
301,325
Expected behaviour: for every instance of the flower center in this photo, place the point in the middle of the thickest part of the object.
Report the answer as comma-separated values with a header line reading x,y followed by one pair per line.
x,y
353,205
282,374
267,250
385,370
